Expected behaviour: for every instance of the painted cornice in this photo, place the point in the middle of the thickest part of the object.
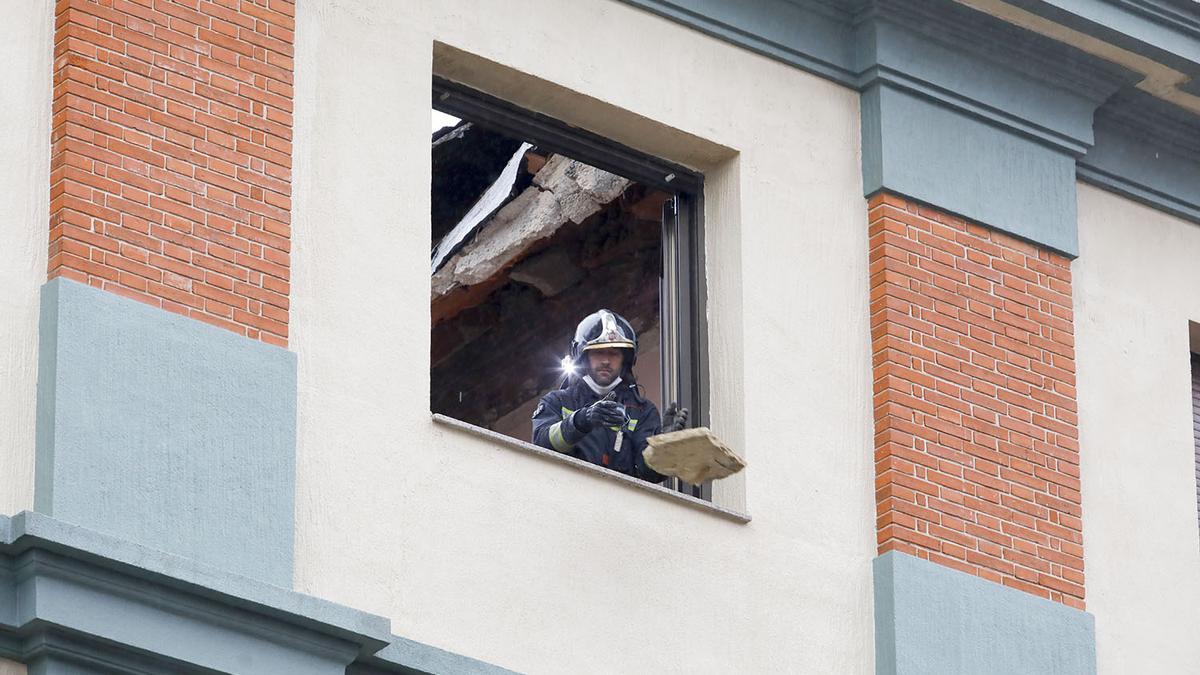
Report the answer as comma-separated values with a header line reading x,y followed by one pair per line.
x,y
985,69
74,597
1007,108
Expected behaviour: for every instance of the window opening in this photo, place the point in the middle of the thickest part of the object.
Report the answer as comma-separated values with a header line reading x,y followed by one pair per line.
x,y
535,225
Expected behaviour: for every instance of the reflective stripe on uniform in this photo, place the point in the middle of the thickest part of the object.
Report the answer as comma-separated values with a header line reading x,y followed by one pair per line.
x,y
556,438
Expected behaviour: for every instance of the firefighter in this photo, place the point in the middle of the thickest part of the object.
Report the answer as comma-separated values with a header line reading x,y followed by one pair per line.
x,y
598,414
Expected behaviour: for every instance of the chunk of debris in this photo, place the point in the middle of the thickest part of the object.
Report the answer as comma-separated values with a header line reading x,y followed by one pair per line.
x,y
693,455
564,191
581,189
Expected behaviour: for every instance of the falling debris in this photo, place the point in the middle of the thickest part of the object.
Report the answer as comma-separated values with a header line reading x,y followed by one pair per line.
x,y
693,455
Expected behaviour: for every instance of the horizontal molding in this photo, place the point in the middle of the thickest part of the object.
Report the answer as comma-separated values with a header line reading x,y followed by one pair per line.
x,y
1139,192
120,602
414,658
972,108
1166,31
98,603
1148,151
1139,115
993,49
813,36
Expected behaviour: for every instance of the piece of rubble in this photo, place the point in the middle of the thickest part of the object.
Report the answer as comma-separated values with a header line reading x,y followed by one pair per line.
x,y
581,189
694,455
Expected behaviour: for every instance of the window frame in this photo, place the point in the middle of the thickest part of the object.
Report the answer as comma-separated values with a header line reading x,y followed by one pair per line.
x,y
1194,362
683,326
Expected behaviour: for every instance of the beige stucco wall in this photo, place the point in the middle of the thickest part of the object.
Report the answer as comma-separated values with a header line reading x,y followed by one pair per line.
x,y
1136,285
11,667
26,47
523,562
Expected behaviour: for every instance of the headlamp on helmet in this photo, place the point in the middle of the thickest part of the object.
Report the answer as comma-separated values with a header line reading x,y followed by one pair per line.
x,y
604,329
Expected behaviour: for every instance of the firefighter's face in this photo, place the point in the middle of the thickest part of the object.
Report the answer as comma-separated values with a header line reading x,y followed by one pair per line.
x,y
605,365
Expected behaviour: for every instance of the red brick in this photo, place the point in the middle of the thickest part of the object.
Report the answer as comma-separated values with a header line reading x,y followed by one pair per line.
x,y
975,415
159,169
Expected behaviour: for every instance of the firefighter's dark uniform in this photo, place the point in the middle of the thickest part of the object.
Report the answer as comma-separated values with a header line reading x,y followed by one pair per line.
x,y
553,429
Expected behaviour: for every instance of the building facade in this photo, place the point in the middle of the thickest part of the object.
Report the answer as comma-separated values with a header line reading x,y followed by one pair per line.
x,y
949,291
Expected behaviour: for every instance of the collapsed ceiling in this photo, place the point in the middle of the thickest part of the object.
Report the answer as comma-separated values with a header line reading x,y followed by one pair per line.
x,y
525,244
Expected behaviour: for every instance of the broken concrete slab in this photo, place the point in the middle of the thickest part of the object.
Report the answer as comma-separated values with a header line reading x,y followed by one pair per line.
x,y
693,455
581,189
532,216
564,191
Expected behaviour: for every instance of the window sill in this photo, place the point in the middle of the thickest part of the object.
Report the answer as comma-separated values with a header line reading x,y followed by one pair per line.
x,y
587,467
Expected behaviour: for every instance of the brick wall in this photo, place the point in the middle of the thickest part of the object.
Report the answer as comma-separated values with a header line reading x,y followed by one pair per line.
x,y
976,445
171,157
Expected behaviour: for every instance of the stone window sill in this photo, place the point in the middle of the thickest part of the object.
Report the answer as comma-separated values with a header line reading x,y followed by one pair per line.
x,y
587,467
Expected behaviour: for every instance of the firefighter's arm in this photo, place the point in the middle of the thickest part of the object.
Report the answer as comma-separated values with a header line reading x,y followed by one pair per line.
x,y
649,425
551,429
556,431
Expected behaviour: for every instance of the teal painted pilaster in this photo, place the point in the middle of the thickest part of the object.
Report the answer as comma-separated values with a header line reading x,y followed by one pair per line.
x,y
166,431
932,620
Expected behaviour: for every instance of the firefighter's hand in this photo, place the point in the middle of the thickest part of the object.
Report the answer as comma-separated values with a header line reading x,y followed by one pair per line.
x,y
675,419
600,413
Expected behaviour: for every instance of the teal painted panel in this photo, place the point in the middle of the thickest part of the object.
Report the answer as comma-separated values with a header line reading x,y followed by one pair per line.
x,y
933,620
165,431
965,166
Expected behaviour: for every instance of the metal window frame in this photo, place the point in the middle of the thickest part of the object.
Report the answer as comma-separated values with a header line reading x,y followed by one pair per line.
x,y
683,327
1195,391
557,136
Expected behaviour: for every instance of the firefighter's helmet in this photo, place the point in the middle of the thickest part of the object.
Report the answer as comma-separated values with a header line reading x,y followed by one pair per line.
x,y
602,330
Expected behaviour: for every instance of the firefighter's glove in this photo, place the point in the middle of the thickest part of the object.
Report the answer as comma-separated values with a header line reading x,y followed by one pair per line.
x,y
675,419
600,413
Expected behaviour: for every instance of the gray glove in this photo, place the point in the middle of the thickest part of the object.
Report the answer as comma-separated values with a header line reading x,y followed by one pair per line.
x,y
600,413
675,419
